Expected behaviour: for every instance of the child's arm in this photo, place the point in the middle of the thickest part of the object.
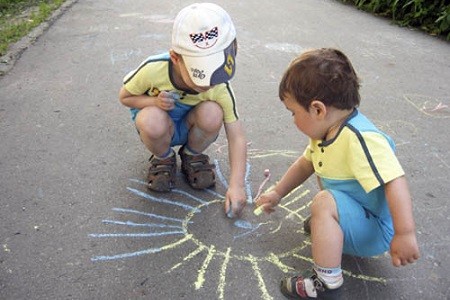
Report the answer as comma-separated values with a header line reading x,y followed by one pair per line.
x,y
297,173
237,151
164,100
404,248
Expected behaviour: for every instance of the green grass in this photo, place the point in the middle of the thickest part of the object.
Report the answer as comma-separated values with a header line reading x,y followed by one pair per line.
x,y
432,16
19,17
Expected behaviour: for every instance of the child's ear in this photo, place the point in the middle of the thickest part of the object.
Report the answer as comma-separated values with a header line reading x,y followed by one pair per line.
x,y
318,108
174,57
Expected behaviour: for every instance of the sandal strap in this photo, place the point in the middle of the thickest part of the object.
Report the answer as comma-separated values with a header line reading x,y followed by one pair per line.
x,y
161,165
198,170
198,162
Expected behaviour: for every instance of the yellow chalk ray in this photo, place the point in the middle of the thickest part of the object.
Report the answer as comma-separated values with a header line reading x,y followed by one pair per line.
x,y
188,257
364,277
307,259
306,192
293,191
204,267
277,262
292,213
262,286
222,276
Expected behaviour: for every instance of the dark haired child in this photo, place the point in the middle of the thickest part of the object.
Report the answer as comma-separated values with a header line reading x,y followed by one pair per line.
x,y
364,207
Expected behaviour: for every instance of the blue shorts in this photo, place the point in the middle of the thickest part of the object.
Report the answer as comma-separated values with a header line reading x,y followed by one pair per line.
x,y
365,234
178,116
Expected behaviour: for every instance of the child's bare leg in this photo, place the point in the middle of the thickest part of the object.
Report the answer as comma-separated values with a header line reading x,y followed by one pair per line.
x,y
326,234
204,122
327,243
155,129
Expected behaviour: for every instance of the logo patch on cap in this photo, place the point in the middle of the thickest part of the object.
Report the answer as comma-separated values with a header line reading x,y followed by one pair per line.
x,y
229,65
205,40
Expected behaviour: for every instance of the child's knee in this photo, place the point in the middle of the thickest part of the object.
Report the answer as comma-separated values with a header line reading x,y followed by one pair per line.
x,y
209,116
323,203
152,121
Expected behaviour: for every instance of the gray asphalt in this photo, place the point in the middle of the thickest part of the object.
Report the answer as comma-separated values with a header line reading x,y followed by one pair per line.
x,y
77,222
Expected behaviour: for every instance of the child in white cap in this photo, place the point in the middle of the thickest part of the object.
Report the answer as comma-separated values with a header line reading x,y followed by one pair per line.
x,y
182,98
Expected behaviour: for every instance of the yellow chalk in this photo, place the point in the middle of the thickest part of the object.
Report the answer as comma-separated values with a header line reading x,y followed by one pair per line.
x,y
258,210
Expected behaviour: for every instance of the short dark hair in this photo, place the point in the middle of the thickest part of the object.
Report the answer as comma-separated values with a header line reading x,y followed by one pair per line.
x,y
321,74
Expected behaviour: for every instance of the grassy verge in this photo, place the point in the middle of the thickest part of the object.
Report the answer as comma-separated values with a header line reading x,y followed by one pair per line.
x,y
19,17
432,16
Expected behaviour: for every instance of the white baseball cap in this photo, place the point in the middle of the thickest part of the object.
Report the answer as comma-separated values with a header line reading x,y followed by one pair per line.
x,y
204,35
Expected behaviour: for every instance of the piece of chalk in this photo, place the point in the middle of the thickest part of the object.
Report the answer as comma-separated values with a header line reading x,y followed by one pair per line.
x,y
258,211
230,213
174,95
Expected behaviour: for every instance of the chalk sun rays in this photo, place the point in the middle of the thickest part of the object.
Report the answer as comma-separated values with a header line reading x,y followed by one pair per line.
x,y
167,232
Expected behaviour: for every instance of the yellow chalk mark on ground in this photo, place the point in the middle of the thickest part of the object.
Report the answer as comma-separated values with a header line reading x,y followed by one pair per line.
x,y
261,284
177,243
298,197
259,154
296,212
222,277
293,191
292,213
277,229
188,257
292,251
254,153
277,262
364,277
308,259
202,270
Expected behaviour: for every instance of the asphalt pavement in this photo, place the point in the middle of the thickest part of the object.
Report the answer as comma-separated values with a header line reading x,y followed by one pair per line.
x,y
77,221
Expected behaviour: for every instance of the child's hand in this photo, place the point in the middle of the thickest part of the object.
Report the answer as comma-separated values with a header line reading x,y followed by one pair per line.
x,y
404,249
166,100
268,201
235,201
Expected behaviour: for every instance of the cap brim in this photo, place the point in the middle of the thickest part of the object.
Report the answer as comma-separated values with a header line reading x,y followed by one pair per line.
x,y
212,69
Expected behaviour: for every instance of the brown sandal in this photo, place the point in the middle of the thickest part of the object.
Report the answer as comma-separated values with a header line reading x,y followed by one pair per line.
x,y
161,174
197,169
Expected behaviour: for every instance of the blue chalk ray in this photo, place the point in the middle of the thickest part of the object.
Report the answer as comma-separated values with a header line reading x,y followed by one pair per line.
x,y
151,234
126,255
132,211
220,175
162,200
133,224
189,195
247,183
214,193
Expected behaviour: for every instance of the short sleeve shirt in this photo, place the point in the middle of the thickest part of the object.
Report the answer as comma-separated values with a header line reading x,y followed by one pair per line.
x,y
359,161
154,76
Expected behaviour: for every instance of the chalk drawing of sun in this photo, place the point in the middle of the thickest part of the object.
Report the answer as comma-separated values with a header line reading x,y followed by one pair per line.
x,y
251,240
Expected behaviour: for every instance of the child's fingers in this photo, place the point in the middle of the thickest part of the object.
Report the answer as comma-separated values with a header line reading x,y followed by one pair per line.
x,y
270,209
396,261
